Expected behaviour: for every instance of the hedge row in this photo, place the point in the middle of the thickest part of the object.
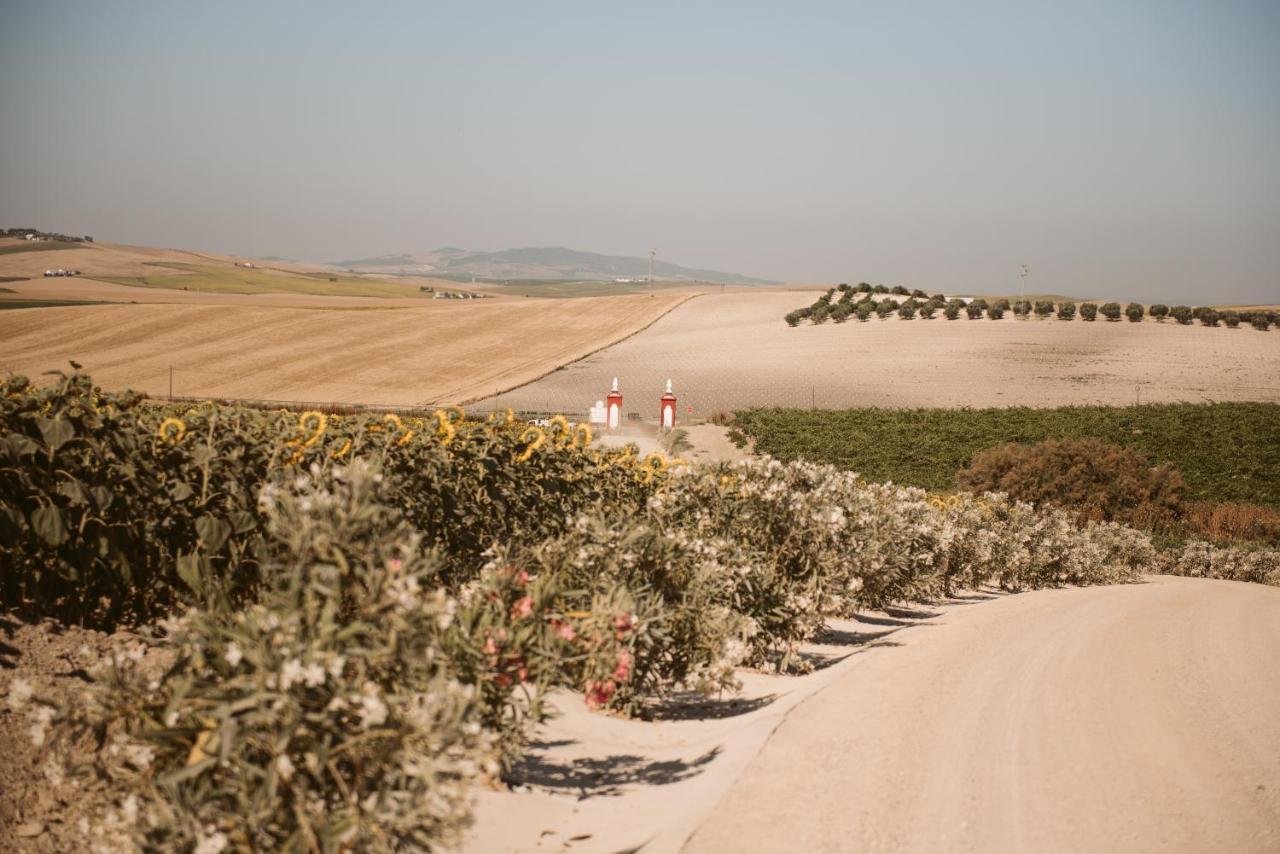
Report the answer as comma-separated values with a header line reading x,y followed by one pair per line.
x,y
839,310
360,616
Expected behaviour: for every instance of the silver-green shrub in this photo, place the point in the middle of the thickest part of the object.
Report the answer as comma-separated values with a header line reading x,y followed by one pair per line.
x,y
326,716
1203,560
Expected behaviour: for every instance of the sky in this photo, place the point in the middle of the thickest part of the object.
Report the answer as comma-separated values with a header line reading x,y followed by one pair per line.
x,y
1121,148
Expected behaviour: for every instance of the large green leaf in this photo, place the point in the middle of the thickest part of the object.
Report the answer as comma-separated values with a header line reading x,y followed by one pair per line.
x,y
48,524
56,432
213,532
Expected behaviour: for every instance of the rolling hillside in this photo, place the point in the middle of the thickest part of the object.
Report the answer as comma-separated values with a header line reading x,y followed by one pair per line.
x,y
538,263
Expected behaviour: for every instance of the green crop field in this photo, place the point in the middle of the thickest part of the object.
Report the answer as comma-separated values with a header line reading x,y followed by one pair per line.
x,y
44,303
241,280
1225,451
42,246
562,289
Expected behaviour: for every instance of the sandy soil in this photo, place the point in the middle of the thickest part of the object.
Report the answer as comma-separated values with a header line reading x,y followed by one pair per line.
x,y
437,351
731,351
41,809
1137,718
1128,718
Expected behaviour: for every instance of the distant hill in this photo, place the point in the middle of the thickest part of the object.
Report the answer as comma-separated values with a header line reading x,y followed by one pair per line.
x,y
539,263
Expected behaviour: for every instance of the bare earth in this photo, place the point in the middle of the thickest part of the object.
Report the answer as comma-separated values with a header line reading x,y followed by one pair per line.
x,y
734,350
1108,719
427,353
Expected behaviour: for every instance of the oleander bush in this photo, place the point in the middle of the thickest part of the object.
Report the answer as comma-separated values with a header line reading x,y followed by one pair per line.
x,y
1089,311
1260,322
1182,313
1209,317
1110,310
325,716
1203,560
1066,310
1159,311
1134,311
1231,318
1044,308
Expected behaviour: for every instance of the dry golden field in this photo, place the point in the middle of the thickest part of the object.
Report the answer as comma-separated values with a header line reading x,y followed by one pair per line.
x,y
734,350
423,353
119,273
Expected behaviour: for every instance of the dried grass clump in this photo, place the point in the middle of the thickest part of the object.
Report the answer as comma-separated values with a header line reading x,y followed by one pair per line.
x,y
1233,520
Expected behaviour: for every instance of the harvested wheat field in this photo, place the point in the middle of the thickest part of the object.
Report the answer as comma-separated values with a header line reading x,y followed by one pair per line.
x,y
734,350
442,351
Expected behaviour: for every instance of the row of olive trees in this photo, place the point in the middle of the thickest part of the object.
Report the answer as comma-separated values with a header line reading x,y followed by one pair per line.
x,y
840,309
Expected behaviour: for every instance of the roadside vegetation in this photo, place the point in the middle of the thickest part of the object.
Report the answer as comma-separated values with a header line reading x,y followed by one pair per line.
x,y
345,623
1225,451
1180,471
860,302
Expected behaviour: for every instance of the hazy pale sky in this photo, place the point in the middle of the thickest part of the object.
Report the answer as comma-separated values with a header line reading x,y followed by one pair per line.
x,y
1119,148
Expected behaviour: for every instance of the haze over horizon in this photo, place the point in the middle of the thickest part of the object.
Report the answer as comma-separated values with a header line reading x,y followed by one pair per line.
x,y
1132,152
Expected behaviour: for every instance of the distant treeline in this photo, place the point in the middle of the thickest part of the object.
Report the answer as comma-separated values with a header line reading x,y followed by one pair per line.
x,y
865,300
45,235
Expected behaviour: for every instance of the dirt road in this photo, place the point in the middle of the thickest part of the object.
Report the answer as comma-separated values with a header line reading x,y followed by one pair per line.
x,y
1132,718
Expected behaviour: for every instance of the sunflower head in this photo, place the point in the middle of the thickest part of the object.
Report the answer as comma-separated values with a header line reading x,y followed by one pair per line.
x,y
172,430
535,437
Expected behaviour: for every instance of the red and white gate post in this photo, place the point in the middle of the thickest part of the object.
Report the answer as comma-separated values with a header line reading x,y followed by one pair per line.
x,y
668,409
613,407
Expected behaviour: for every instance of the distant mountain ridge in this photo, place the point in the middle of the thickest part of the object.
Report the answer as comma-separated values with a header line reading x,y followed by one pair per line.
x,y
539,262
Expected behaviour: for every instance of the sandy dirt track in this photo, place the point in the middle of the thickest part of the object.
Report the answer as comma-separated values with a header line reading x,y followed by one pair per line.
x,y
734,350
438,352
1131,718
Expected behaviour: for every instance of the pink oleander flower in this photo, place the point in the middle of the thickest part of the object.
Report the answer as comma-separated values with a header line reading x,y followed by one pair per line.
x,y
599,693
522,608
622,672
564,631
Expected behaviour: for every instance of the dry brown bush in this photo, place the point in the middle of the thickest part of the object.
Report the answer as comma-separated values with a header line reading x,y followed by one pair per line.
x,y
1233,520
1095,480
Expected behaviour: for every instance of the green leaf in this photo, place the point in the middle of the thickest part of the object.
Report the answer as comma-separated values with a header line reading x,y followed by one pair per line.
x,y
73,490
213,532
19,445
56,432
48,525
188,567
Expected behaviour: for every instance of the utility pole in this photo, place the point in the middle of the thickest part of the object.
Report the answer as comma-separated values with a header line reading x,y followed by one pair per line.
x,y
171,382
652,251
1022,281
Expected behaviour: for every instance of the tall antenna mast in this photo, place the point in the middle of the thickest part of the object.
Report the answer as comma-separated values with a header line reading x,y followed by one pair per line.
x,y
1022,281
653,250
